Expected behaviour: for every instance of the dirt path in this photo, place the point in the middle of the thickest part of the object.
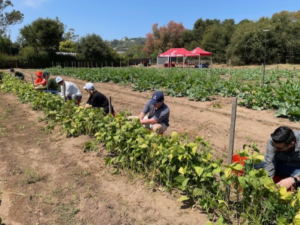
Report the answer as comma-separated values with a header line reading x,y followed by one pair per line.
x,y
47,179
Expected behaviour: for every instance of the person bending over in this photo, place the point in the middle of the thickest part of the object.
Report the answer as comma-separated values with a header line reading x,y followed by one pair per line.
x,y
283,156
51,85
69,90
97,99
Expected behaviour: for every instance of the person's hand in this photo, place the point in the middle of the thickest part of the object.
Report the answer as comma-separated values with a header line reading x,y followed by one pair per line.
x,y
36,88
287,182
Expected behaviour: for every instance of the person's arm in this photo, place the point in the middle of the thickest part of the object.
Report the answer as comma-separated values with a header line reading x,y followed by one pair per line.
x,y
40,87
270,161
43,82
147,121
61,93
145,110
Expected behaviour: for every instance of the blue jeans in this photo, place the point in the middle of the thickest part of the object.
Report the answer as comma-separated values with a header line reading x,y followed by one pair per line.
x,y
51,91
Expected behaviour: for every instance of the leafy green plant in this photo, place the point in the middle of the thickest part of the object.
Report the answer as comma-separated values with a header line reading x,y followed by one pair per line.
x,y
174,161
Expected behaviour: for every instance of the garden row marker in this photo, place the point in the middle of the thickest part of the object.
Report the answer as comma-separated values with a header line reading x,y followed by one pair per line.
x,y
230,68
32,80
109,105
231,138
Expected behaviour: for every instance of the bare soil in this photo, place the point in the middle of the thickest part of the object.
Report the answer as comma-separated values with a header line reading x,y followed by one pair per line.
x,y
48,179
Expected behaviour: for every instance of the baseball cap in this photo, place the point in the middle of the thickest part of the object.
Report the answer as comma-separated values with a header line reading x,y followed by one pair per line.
x,y
39,73
58,79
89,86
157,97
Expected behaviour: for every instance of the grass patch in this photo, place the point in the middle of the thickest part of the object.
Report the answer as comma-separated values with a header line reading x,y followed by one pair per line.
x,y
32,176
66,213
91,146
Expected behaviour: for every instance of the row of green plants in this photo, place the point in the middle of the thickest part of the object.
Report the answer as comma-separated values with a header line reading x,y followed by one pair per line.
x,y
173,161
277,90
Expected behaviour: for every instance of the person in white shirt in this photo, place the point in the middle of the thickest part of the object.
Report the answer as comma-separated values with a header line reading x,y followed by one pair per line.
x,y
69,90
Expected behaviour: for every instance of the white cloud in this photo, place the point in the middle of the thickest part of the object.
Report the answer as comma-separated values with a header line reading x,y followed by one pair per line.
x,y
34,3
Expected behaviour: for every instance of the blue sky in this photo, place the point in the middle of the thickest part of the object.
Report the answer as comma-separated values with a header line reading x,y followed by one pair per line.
x,y
115,19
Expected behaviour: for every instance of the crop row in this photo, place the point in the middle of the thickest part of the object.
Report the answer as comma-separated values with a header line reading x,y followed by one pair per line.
x,y
173,162
279,90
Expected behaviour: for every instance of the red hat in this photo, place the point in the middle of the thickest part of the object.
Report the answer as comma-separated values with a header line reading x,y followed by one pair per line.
x,y
39,73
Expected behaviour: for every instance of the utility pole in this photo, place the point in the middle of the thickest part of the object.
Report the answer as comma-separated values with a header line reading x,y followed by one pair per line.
x,y
266,31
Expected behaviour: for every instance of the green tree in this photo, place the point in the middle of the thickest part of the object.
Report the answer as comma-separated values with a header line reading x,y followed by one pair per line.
x,y
6,45
284,36
8,18
216,39
247,43
135,51
201,26
43,35
188,40
67,46
70,35
92,47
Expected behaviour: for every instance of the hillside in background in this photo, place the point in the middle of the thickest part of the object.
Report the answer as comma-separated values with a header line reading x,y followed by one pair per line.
x,y
123,44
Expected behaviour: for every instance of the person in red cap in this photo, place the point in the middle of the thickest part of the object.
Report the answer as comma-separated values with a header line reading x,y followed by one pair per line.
x,y
40,80
158,113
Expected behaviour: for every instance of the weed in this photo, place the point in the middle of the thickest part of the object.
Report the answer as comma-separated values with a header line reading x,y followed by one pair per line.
x,y
217,104
17,169
32,176
91,146
85,173
2,131
21,127
40,119
39,142
66,213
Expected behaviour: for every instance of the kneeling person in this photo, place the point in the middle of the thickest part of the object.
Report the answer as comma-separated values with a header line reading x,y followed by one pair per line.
x,y
96,99
283,156
158,113
69,90
51,85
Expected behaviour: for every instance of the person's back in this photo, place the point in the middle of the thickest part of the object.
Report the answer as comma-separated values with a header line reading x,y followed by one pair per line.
x,y
71,89
52,85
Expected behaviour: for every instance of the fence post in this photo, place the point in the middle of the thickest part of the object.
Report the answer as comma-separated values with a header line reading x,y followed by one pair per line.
x,y
109,105
231,138
112,64
230,68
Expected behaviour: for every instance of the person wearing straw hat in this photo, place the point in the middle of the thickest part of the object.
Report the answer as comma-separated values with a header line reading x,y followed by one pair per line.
x,y
96,99
69,90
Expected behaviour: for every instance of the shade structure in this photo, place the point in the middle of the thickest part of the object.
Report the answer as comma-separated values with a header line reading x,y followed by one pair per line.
x,y
200,52
176,52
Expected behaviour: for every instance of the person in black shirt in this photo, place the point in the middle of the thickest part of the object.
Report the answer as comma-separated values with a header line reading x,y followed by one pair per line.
x,y
96,98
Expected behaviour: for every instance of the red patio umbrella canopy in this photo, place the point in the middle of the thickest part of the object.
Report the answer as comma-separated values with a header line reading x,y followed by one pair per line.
x,y
200,52
176,52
